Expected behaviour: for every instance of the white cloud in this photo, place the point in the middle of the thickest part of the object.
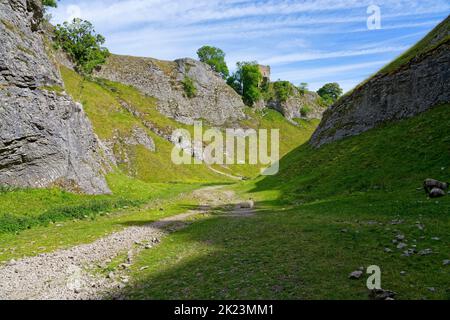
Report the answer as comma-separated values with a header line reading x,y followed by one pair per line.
x,y
312,74
310,56
275,32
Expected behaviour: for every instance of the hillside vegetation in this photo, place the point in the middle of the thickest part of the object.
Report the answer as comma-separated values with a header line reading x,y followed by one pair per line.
x,y
329,212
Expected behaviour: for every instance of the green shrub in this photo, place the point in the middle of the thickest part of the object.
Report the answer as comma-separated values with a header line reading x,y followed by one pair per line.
x,y
247,81
323,103
330,92
214,57
283,90
305,110
303,88
189,87
12,223
49,3
82,44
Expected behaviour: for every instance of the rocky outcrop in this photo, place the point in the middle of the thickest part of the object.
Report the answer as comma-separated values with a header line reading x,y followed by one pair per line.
x,y
45,138
214,101
420,84
299,106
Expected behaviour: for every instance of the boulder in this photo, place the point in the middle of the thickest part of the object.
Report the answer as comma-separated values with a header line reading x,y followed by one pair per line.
x,y
437,193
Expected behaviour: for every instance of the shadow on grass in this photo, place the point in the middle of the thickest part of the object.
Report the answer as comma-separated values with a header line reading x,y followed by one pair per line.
x,y
287,253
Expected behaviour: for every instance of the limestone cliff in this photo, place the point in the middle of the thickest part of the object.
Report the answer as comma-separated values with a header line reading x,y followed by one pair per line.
x,y
299,106
45,137
214,100
414,83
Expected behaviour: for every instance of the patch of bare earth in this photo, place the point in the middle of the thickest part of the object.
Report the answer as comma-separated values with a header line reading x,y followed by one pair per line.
x,y
69,274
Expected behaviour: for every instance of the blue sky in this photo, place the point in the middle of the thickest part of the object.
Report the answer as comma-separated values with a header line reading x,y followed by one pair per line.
x,y
302,40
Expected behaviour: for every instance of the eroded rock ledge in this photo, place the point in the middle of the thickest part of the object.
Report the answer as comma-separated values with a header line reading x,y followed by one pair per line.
x,y
45,137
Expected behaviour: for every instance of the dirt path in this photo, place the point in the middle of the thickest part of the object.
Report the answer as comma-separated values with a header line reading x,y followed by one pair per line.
x,y
64,274
238,178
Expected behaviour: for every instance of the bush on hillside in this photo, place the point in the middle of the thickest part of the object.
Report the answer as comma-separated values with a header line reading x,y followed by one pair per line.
x,y
330,92
189,87
214,57
49,3
247,82
82,44
283,90
305,110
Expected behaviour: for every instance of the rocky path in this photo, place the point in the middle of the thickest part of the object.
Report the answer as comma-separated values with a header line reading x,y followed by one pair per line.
x,y
68,274
225,174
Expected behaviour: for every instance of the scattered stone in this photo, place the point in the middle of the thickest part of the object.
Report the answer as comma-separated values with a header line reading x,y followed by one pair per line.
x,y
344,230
69,268
400,237
432,289
446,262
403,273
435,188
436,239
425,252
355,275
125,266
250,204
420,226
387,250
409,252
130,256
143,268
11,263
397,221
402,245
437,193
380,294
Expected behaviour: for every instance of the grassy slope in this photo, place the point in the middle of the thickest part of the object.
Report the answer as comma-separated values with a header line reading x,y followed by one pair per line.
x,y
327,213
291,136
109,118
47,238
37,210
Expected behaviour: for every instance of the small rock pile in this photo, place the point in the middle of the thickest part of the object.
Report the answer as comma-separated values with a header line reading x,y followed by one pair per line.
x,y
435,188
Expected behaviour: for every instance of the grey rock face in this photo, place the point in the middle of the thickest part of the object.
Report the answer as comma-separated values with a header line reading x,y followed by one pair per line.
x,y
140,137
299,106
214,102
416,87
45,138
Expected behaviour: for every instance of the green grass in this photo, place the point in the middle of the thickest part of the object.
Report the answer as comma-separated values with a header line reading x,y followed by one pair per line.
x,y
23,209
173,199
291,136
102,102
329,212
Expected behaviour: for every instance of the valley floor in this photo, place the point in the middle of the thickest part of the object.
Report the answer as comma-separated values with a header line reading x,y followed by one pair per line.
x,y
329,212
